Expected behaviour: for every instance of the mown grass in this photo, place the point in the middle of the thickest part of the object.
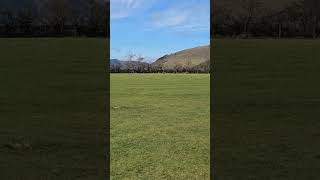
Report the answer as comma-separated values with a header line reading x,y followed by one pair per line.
x,y
52,108
266,110
160,126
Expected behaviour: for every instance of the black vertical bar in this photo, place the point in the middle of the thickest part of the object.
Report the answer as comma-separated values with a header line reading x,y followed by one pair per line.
x,y
107,130
212,163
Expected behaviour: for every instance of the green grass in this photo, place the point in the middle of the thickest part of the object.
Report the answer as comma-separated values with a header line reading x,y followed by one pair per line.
x,y
160,126
267,105
52,108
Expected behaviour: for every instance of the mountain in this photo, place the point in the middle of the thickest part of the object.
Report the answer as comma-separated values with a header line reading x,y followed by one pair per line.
x,y
134,65
117,61
188,57
114,61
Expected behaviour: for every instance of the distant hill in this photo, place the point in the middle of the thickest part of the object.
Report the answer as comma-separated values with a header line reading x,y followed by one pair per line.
x,y
117,61
132,64
114,61
117,65
188,57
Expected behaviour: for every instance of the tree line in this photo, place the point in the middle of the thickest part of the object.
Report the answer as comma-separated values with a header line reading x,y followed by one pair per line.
x,y
133,67
254,18
56,18
139,66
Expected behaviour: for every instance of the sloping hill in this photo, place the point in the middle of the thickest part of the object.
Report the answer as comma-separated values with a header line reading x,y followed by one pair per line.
x,y
188,57
114,61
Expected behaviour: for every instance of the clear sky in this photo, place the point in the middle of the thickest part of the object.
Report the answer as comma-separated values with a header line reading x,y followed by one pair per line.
x,y
153,28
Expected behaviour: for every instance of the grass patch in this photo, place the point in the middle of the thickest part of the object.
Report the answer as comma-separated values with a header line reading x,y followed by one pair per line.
x,y
52,108
160,126
266,109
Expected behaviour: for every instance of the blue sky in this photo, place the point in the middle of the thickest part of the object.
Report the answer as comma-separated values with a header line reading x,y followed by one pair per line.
x,y
153,28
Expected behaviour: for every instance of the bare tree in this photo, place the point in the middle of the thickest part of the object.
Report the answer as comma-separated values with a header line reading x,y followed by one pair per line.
x,y
129,62
188,65
250,9
312,12
25,18
140,63
59,11
7,20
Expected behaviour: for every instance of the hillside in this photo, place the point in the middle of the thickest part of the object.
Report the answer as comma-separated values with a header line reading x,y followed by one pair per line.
x,y
188,57
114,61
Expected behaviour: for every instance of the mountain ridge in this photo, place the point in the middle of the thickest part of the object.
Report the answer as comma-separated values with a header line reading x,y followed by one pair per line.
x,y
190,57
196,57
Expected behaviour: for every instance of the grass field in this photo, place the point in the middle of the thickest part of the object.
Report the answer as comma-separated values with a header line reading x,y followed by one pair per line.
x,y
266,108
160,126
52,113
52,108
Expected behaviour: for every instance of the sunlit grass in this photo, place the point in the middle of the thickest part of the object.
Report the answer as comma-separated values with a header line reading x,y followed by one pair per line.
x,y
160,126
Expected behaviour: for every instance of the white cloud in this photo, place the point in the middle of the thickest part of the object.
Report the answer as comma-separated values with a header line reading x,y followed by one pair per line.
x,y
183,18
169,18
124,8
